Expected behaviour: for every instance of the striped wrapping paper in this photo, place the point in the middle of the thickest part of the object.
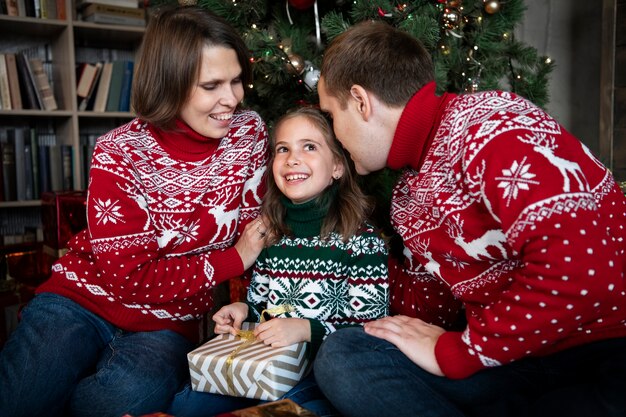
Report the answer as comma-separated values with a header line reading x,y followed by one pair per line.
x,y
256,371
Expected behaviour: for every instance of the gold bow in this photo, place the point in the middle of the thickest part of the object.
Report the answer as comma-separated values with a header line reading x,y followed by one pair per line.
x,y
248,338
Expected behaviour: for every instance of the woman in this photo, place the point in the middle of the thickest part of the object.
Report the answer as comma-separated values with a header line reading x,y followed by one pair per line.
x,y
169,193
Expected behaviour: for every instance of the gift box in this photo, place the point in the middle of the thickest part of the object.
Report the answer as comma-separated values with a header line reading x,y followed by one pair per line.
x,y
243,367
280,408
63,215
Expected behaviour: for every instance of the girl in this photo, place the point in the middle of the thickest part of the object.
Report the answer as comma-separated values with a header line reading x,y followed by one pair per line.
x,y
169,192
324,259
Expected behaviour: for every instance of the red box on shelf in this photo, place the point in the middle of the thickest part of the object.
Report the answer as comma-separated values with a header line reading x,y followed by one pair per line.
x,y
63,214
29,268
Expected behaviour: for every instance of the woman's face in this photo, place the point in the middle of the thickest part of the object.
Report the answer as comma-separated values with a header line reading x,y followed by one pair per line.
x,y
219,89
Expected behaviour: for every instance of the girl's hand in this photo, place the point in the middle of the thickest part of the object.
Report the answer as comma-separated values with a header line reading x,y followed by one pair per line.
x,y
251,242
414,337
280,332
228,319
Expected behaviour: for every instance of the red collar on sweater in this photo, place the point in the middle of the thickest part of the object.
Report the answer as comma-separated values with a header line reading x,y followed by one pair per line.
x,y
417,127
185,143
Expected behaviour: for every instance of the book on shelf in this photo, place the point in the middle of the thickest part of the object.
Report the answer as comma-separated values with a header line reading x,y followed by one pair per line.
x,y
49,9
5,92
21,8
33,142
86,76
66,168
61,14
32,8
100,102
111,14
14,82
2,169
121,3
45,140
115,89
109,19
9,184
126,88
43,84
17,135
87,145
87,102
54,163
29,190
12,8
30,96
133,12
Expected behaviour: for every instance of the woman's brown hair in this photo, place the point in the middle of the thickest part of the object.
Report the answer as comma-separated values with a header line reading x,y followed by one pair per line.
x,y
170,58
350,207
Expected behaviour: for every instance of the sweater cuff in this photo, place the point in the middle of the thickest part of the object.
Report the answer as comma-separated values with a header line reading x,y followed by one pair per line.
x,y
227,264
455,359
317,337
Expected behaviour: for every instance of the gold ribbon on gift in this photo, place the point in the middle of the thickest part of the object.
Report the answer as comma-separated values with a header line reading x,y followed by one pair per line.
x,y
248,338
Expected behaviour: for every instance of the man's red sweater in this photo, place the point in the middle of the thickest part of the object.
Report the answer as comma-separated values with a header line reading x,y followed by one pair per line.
x,y
506,214
163,210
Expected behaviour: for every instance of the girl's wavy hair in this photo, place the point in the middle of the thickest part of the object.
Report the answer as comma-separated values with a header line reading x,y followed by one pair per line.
x,y
349,209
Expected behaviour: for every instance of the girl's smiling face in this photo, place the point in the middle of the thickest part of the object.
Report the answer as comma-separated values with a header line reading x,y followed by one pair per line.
x,y
303,163
215,97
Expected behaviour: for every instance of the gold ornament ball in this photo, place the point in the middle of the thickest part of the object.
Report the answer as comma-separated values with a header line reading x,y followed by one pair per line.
x,y
295,65
492,6
451,18
187,2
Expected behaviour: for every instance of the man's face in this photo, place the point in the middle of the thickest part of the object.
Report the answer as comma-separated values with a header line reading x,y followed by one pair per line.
x,y
346,126
351,130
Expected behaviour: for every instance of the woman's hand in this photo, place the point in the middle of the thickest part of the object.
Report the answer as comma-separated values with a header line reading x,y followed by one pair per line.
x,y
228,319
251,242
414,337
279,332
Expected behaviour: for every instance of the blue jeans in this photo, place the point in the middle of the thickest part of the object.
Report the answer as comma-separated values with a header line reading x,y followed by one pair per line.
x,y
189,403
366,376
63,360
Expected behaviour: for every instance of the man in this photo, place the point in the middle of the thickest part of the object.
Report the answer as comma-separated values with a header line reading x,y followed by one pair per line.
x,y
505,218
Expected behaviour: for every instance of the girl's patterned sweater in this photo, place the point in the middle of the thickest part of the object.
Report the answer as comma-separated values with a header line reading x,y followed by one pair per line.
x,y
331,283
505,213
163,212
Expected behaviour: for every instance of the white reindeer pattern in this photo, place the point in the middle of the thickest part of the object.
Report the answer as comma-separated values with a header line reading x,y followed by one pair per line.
x,y
223,218
252,185
408,255
546,147
476,248
140,200
431,266
170,229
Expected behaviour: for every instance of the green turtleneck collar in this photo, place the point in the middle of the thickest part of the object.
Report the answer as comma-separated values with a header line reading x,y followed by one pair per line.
x,y
305,220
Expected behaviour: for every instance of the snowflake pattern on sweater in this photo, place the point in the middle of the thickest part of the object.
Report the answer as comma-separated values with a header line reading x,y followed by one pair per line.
x,y
328,281
512,218
162,223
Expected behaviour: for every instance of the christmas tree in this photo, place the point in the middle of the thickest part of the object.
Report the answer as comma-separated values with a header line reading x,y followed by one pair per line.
x,y
472,43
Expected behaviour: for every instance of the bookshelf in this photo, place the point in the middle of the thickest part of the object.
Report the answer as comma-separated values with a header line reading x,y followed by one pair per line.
x,y
63,44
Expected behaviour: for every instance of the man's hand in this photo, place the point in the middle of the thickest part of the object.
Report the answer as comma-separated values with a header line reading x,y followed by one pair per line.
x,y
414,337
